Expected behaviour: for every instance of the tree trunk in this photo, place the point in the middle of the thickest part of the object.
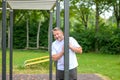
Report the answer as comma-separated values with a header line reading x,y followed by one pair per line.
x,y
0,33
119,15
118,23
96,27
97,19
38,34
86,26
84,18
116,7
8,45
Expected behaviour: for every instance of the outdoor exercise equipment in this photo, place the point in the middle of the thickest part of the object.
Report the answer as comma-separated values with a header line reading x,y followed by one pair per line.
x,y
34,5
35,61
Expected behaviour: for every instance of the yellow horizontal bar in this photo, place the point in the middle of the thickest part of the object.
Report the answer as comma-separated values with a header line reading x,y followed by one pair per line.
x,y
32,63
36,59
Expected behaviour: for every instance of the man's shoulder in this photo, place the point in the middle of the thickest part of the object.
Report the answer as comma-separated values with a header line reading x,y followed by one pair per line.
x,y
54,42
71,38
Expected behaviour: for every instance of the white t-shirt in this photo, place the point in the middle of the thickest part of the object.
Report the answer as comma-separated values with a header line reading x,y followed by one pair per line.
x,y
57,47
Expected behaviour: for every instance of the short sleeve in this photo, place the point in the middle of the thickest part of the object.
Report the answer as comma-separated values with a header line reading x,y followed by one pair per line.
x,y
53,50
74,42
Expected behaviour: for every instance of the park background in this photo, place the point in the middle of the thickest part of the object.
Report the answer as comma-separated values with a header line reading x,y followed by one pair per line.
x,y
96,32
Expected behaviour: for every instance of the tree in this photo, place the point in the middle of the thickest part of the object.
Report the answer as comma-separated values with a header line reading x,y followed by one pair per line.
x,y
115,4
36,16
81,10
101,6
24,19
116,7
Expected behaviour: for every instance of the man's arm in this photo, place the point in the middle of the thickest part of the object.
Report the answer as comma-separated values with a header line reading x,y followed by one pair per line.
x,y
76,49
55,57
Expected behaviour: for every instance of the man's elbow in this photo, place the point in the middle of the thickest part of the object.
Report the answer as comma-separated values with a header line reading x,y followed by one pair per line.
x,y
80,50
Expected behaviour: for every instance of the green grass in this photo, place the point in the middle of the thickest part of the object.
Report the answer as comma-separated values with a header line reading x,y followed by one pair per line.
x,y
105,64
19,56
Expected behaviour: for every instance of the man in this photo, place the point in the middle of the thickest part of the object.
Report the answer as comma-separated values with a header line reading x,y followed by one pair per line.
x,y
58,54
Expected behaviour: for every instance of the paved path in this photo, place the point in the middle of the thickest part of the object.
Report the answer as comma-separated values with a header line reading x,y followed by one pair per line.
x,y
46,77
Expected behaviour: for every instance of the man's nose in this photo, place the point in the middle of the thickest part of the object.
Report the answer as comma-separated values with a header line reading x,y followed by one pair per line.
x,y
56,35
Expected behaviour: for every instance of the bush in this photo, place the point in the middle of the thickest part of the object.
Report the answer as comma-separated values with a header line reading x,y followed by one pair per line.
x,y
108,39
85,38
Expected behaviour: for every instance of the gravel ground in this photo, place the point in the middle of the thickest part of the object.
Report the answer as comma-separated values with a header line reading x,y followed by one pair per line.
x,y
46,77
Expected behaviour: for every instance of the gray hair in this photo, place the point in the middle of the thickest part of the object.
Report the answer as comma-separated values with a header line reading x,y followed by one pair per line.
x,y
57,29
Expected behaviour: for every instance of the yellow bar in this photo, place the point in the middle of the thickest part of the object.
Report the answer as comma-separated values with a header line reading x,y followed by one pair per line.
x,y
36,59
32,63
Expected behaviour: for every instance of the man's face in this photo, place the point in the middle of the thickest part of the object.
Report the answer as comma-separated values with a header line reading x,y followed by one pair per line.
x,y
58,35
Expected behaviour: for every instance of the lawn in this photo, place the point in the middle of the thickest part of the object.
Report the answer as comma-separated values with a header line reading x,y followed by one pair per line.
x,y
105,64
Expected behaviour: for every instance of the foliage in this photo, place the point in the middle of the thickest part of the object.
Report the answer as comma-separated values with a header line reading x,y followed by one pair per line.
x,y
108,38
81,14
44,34
34,18
81,10
19,36
85,38
114,47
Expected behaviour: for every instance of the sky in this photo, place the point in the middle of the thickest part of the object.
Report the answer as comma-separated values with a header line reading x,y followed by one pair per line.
x,y
106,14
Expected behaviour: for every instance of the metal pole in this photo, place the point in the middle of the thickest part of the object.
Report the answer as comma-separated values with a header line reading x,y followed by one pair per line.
x,y
11,43
3,39
57,22
66,39
50,44
58,13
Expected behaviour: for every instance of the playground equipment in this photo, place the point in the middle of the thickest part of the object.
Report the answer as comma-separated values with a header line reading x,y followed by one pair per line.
x,y
34,5
34,61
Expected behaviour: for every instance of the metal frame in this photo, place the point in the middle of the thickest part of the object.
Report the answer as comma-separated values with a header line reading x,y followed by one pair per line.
x,y
31,4
11,44
66,41
57,23
57,13
3,39
50,44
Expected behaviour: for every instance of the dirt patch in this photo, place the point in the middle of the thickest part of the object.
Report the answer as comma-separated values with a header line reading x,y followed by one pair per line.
x,y
46,77
103,77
